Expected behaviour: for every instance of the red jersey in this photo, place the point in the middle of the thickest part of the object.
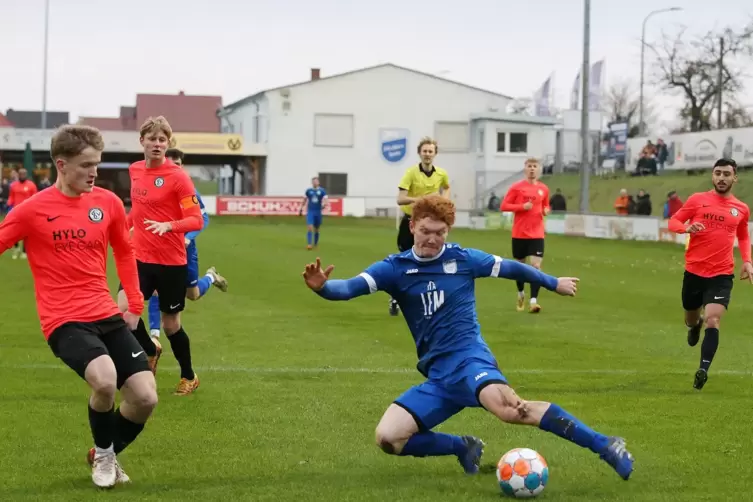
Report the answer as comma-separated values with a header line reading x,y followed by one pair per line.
x,y
710,252
527,224
163,194
66,242
21,191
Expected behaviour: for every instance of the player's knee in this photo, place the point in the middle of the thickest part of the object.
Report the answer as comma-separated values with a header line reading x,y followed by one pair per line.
x,y
536,265
713,321
146,400
171,323
103,384
503,402
193,294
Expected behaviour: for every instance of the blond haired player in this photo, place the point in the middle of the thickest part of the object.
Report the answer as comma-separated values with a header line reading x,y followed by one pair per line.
x,y
528,200
419,179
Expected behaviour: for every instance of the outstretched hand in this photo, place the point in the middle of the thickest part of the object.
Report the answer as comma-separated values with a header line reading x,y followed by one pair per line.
x,y
567,286
314,276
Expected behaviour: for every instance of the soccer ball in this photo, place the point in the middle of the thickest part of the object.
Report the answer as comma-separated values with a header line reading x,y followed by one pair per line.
x,y
522,473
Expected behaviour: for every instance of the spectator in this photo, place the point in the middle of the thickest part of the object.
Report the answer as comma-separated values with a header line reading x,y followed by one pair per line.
x,y
4,194
661,154
673,204
649,150
494,202
558,202
631,205
44,183
643,203
621,203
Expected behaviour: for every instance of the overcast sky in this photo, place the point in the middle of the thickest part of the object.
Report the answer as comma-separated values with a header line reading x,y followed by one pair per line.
x,y
104,52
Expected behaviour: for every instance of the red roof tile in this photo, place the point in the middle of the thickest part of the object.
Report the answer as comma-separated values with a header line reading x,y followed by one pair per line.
x,y
185,113
102,123
4,122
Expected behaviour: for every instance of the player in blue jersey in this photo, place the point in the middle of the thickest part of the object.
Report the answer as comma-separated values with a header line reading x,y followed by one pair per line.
x,y
313,201
195,287
434,284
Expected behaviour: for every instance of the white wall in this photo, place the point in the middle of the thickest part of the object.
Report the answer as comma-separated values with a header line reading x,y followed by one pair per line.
x,y
384,97
539,139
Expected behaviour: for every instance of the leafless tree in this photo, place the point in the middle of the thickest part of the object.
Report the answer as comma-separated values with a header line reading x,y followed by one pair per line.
x,y
693,68
622,102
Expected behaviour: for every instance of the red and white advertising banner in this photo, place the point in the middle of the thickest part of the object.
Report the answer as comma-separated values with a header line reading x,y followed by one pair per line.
x,y
272,206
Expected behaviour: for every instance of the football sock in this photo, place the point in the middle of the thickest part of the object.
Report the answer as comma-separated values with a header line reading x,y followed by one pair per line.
x,y
204,284
181,346
308,238
102,426
143,338
708,347
154,315
521,286
316,238
433,444
126,432
535,287
561,423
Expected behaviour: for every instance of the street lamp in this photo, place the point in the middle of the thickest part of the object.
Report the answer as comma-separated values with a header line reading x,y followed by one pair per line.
x,y
641,125
44,70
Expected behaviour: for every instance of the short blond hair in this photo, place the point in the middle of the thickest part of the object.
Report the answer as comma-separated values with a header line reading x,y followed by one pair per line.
x,y
156,124
532,160
70,140
426,140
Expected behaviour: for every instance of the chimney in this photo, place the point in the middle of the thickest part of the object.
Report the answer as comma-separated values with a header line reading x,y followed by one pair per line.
x,y
315,73
181,93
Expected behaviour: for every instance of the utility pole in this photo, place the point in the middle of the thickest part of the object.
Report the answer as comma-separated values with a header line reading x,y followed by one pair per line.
x,y
585,157
719,84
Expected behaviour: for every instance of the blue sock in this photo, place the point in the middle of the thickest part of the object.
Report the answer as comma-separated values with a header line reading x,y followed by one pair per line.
x,y
204,284
316,238
559,422
154,313
433,444
308,238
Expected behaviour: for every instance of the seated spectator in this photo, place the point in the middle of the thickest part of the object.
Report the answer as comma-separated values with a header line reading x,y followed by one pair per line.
x,y
558,202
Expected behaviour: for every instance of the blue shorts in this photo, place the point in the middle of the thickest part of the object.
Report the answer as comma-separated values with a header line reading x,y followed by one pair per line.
x,y
314,219
437,400
192,254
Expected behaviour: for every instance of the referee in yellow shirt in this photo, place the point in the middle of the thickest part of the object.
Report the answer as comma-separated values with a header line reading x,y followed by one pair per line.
x,y
421,179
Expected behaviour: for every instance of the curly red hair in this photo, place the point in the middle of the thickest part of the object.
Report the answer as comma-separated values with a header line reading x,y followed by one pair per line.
x,y
436,207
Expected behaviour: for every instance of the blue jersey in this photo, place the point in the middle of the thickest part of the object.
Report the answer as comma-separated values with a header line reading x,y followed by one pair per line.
x,y
193,235
315,197
438,300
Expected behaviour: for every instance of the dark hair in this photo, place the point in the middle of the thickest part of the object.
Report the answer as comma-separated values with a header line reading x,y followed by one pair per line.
x,y
726,163
174,153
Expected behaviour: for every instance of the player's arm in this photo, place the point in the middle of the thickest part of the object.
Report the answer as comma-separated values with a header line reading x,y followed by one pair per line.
x,y
403,188
204,216
304,203
377,277
510,202
14,228
677,223
743,238
11,195
488,265
125,260
546,207
191,218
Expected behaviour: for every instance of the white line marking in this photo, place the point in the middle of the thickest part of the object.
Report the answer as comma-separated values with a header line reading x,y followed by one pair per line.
x,y
388,371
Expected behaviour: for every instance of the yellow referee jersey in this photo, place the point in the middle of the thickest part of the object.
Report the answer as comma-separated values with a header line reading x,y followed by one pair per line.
x,y
419,183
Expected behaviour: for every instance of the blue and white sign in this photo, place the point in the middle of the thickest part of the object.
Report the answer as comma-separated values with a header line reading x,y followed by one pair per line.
x,y
394,144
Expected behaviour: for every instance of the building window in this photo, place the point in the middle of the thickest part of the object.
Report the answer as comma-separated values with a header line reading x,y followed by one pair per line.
x,y
333,130
518,142
452,136
480,145
335,184
501,142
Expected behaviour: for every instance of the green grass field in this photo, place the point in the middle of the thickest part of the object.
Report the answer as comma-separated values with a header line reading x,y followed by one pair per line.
x,y
604,191
293,386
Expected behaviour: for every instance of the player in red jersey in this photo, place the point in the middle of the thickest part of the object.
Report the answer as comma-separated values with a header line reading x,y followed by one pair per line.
x,y
713,220
528,200
20,190
67,229
164,208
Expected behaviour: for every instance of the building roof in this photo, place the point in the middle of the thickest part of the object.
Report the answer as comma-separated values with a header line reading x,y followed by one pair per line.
x,y
254,97
4,122
185,113
515,119
33,119
103,123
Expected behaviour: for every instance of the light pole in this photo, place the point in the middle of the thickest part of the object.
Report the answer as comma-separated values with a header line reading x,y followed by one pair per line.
x,y
585,164
641,125
44,70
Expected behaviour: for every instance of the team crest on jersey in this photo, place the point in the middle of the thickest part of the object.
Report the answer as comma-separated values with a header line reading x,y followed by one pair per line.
x,y
450,266
541,193
734,212
158,182
96,215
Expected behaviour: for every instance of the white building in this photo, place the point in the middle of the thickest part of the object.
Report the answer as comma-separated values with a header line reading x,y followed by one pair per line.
x,y
358,132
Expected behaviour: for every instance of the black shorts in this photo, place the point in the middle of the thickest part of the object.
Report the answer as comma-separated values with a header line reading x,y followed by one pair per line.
x,y
169,281
699,291
79,343
523,248
404,235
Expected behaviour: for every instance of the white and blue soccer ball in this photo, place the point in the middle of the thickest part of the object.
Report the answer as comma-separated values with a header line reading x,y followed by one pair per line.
x,y
522,473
